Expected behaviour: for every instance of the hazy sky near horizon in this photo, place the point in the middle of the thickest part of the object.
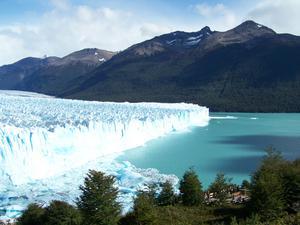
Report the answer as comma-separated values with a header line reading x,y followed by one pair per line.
x,y
58,27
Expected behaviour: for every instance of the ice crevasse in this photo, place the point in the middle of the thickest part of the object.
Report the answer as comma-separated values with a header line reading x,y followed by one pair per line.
x,y
45,137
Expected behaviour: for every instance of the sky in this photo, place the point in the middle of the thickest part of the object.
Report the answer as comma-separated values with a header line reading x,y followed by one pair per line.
x,y
58,27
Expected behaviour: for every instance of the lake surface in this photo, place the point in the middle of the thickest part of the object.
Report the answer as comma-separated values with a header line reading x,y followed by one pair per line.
x,y
233,143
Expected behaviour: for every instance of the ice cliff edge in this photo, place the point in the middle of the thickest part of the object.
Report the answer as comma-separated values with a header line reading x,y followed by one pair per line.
x,y
41,137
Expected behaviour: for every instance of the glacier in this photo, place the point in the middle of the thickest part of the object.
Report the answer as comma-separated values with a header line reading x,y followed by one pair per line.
x,y
48,144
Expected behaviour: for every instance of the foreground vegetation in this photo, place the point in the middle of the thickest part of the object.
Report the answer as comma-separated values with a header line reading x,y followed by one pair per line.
x,y
272,197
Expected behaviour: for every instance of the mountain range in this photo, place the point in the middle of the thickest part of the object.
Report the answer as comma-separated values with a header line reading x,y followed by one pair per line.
x,y
249,68
51,75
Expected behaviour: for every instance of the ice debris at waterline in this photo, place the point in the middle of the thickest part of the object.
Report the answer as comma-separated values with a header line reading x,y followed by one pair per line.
x,y
43,140
15,198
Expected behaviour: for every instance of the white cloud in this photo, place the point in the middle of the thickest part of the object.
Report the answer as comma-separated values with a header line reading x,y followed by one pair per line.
x,y
151,29
211,11
61,4
218,15
282,15
68,28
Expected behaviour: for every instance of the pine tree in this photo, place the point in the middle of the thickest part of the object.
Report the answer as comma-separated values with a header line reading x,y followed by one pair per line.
x,y
98,201
33,215
144,209
191,189
220,188
61,213
167,195
245,185
267,189
291,182
151,190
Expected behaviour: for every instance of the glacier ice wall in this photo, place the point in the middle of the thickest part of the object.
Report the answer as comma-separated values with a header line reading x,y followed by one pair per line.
x,y
41,138
44,138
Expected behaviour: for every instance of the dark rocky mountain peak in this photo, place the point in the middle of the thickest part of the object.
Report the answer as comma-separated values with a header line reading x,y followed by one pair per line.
x,y
206,29
247,68
174,41
252,28
245,32
90,56
180,39
50,74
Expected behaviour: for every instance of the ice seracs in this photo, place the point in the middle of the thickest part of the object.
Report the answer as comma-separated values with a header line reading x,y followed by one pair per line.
x,y
45,139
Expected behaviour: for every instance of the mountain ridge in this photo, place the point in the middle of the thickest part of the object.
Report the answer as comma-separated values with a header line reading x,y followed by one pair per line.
x,y
244,69
32,74
249,68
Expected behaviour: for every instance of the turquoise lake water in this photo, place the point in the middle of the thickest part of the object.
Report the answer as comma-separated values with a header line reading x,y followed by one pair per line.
x,y
232,143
